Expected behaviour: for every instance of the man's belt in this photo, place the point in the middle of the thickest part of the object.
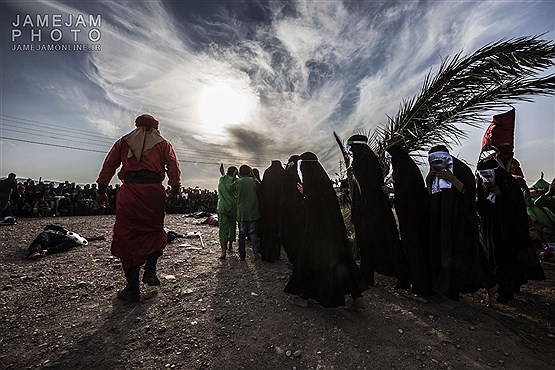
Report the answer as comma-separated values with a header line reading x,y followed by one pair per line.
x,y
142,177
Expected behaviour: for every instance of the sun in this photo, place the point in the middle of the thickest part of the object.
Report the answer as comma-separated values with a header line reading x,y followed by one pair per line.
x,y
223,104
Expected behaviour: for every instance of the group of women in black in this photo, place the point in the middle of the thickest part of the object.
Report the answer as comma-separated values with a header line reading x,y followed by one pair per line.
x,y
455,231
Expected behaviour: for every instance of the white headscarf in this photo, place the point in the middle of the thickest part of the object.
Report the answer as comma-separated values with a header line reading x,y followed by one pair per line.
x,y
440,161
488,176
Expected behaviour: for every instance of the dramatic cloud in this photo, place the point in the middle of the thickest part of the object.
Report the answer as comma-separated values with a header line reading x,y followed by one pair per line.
x,y
304,69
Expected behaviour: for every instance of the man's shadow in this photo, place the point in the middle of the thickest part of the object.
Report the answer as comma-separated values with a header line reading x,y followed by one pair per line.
x,y
105,347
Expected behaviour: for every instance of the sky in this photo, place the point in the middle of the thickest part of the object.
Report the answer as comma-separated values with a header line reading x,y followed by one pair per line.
x,y
239,82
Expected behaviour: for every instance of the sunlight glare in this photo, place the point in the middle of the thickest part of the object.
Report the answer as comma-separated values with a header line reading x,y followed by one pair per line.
x,y
221,105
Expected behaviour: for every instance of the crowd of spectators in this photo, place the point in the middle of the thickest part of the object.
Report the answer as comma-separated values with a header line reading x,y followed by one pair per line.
x,y
46,199
193,200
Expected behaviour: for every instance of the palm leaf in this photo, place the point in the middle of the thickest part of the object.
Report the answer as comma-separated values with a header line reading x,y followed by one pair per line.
x,y
342,148
464,88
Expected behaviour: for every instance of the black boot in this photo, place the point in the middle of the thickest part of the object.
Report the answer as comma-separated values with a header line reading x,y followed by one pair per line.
x,y
149,277
131,292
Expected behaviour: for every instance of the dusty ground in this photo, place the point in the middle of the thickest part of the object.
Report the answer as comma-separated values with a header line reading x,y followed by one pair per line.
x,y
60,312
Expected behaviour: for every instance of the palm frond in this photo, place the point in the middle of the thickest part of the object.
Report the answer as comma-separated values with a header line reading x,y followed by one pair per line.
x,y
342,148
464,88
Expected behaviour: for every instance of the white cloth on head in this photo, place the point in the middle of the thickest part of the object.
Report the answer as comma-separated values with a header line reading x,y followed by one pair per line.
x,y
440,161
488,176
349,144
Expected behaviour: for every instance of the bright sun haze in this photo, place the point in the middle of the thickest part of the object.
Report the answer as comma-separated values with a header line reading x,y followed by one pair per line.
x,y
223,104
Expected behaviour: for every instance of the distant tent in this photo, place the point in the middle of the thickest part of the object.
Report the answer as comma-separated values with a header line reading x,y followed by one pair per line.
x,y
500,133
540,184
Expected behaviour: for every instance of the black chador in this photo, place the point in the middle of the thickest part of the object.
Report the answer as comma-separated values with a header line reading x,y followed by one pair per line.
x,y
504,226
376,232
270,211
324,269
458,264
293,215
412,208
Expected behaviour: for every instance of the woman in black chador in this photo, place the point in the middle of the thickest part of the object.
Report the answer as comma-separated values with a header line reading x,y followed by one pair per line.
x,y
293,215
412,208
376,232
458,264
270,211
504,225
324,268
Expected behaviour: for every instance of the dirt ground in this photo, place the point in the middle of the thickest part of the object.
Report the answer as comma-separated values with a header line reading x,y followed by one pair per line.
x,y
60,312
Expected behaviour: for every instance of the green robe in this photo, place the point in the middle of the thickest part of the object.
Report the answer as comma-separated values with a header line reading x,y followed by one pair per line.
x,y
227,201
247,201
226,209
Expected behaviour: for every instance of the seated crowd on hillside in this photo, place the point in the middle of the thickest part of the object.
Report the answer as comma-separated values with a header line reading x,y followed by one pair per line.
x,y
40,199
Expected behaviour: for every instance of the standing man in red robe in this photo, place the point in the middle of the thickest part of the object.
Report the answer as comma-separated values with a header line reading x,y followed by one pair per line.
x,y
138,235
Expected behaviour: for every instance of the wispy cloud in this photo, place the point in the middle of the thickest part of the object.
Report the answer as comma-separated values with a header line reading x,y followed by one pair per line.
x,y
313,67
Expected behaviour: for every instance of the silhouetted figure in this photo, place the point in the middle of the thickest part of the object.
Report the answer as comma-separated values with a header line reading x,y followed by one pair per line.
x,y
138,236
324,267
376,233
270,202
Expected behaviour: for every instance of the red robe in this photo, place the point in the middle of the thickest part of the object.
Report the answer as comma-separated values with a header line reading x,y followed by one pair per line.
x,y
139,227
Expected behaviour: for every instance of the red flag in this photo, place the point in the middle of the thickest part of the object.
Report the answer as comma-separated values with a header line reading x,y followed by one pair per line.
x,y
500,133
